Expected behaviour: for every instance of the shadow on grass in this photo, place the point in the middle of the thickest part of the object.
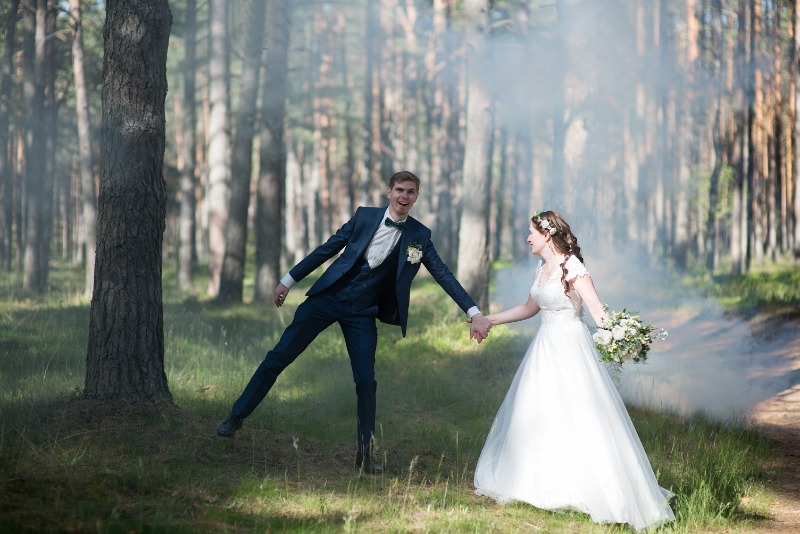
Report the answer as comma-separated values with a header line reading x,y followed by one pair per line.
x,y
118,466
72,464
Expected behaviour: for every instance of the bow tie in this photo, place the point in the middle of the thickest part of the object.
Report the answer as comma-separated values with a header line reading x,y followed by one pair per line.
x,y
399,225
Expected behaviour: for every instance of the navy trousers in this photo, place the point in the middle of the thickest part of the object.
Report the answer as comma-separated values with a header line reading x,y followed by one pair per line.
x,y
313,316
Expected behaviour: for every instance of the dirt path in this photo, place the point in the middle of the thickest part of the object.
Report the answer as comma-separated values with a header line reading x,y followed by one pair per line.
x,y
728,367
779,417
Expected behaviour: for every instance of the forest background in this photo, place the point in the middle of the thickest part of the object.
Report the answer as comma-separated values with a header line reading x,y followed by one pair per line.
x,y
664,129
670,125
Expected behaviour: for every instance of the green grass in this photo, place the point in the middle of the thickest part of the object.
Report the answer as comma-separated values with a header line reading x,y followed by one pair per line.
x,y
773,288
71,465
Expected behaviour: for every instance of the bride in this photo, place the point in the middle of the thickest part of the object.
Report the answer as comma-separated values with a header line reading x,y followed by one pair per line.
x,y
562,439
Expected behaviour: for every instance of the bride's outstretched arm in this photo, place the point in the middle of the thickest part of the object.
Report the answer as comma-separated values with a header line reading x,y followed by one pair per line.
x,y
517,313
585,288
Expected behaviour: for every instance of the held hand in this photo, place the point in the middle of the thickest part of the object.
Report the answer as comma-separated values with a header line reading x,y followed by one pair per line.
x,y
479,328
280,295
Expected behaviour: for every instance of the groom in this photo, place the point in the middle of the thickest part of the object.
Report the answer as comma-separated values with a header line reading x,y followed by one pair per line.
x,y
383,250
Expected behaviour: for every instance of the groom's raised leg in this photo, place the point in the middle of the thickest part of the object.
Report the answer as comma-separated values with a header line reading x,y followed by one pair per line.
x,y
310,319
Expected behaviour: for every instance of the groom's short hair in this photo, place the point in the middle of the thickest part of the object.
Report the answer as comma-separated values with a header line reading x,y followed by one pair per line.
x,y
403,176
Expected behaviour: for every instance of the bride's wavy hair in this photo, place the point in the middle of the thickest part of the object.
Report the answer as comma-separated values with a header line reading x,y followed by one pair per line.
x,y
564,241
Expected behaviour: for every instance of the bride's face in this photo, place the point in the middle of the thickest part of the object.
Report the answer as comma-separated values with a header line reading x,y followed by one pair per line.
x,y
536,240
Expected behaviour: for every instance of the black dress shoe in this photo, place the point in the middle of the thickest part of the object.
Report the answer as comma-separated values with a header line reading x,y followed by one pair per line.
x,y
367,465
228,428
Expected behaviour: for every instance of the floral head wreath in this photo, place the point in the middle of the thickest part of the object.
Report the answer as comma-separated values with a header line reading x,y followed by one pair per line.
x,y
545,224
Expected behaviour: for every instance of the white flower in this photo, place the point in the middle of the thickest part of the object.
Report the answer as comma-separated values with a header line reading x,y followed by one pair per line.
x,y
414,253
546,225
618,332
623,337
602,337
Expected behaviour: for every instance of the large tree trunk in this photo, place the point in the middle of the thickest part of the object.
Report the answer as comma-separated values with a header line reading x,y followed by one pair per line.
x,y
88,198
34,278
270,191
6,174
187,251
232,279
125,358
218,141
473,249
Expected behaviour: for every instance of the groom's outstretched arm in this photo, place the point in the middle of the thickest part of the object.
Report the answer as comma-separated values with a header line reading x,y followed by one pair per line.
x,y
479,326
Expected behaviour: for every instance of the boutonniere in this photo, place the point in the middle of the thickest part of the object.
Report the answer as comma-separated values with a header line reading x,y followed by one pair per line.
x,y
414,252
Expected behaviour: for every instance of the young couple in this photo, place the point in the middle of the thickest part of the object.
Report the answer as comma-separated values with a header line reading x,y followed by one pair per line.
x,y
562,438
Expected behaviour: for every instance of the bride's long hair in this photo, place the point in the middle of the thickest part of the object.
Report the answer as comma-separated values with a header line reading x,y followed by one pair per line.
x,y
563,239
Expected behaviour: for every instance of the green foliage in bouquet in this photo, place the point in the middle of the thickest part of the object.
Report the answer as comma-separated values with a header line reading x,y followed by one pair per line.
x,y
623,337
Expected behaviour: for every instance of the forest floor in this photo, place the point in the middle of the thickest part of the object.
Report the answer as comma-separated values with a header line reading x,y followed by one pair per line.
x,y
779,419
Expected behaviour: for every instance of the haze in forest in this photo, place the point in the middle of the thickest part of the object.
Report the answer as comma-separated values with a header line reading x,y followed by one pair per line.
x,y
710,362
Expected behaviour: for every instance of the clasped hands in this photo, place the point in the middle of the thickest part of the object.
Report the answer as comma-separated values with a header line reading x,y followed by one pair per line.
x,y
479,327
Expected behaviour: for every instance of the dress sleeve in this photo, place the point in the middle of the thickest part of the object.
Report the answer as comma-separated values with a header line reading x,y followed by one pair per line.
x,y
539,266
575,268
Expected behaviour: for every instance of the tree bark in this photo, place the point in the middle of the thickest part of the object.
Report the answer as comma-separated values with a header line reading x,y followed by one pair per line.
x,y
795,219
371,128
219,174
187,247
6,170
34,278
89,201
270,192
232,277
125,358
473,249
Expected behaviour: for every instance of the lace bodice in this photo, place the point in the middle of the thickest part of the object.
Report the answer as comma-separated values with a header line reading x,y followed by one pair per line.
x,y
548,292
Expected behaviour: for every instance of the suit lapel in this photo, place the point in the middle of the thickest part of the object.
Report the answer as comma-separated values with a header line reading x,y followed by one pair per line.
x,y
407,237
371,226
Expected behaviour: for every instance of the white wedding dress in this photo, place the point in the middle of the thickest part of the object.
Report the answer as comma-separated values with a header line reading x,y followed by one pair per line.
x,y
562,439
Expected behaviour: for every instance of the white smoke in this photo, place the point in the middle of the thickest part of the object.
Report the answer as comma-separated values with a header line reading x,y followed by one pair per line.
x,y
711,362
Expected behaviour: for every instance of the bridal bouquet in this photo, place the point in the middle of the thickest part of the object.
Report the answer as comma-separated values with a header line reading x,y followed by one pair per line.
x,y
623,337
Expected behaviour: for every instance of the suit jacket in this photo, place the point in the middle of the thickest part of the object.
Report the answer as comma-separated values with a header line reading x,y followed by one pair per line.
x,y
354,237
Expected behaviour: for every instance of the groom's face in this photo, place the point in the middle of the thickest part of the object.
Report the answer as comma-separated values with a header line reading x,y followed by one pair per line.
x,y
402,196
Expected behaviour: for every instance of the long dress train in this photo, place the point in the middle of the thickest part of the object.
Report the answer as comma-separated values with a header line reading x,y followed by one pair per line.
x,y
562,439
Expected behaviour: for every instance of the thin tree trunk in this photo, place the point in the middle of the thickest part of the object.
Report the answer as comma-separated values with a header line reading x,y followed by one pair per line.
x,y
125,357
524,191
51,104
713,193
6,169
446,143
795,58
232,278
270,192
370,161
473,249
34,277
88,198
219,174
739,251
187,248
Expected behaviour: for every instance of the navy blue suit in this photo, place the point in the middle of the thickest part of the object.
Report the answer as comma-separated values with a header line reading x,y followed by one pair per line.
x,y
354,295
